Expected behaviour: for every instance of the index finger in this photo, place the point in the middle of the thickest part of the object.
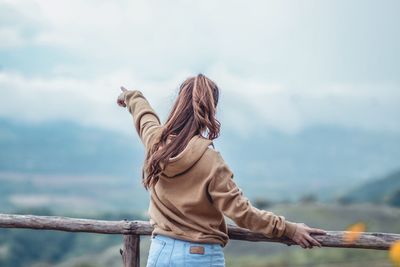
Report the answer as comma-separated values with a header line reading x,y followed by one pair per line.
x,y
123,89
317,231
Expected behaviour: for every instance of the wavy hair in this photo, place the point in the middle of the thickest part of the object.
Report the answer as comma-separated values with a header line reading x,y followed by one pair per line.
x,y
193,113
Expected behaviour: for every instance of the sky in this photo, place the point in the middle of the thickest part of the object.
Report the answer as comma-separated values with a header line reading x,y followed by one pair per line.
x,y
285,65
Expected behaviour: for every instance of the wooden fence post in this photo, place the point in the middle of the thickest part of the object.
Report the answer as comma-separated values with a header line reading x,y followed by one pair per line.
x,y
131,251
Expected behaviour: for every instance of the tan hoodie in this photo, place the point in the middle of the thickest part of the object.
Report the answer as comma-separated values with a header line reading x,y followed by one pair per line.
x,y
196,189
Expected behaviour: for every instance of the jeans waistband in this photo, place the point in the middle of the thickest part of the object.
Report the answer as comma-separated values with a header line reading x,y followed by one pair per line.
x,y
169,239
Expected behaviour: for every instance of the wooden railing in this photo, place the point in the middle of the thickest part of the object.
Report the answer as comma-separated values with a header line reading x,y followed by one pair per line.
x,y
132,230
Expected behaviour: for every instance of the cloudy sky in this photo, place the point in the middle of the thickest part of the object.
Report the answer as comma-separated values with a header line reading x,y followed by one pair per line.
x,y
284,64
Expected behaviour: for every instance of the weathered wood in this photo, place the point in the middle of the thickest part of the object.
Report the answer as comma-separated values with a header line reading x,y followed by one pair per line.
x,y
131,253
75,224
367,240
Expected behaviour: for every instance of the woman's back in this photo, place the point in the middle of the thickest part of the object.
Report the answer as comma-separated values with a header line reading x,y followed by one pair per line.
x,y
195,188
181,205
191,187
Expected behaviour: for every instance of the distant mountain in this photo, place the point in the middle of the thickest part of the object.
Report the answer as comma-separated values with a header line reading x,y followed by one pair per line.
x,y
67,167
323,160
64,147
377,191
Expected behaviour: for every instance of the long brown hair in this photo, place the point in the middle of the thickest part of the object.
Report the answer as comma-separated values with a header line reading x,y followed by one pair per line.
x,y
193,113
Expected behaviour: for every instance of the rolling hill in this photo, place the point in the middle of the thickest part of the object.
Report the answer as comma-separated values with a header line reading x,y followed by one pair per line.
x,y
375,191
71,166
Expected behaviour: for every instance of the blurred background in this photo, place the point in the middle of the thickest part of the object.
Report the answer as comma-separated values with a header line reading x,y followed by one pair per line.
x,y
310,105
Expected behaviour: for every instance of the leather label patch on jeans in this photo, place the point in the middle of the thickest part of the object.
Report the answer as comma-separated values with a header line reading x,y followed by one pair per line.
x,y
196,250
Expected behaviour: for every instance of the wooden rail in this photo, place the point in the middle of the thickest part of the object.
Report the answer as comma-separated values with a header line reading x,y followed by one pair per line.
x,y
132,230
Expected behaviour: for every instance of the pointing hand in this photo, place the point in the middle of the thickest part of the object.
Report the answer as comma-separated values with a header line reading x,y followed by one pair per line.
x,y
121,97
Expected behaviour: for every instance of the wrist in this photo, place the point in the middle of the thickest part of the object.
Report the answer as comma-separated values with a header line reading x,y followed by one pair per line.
x,y
130,94
290,229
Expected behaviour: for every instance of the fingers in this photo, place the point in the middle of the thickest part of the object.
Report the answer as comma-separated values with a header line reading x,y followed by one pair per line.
x,y
305,243
305,240
300,242
120,99
317,231
313,241
121,103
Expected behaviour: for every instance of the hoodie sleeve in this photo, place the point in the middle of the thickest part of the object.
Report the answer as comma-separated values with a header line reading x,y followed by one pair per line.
x,y
228,198
145,119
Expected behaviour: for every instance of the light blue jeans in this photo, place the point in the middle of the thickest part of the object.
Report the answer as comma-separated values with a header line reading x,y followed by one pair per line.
x,y
166,251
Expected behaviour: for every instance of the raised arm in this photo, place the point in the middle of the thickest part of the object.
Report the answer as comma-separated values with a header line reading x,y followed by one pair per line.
x,y
145,119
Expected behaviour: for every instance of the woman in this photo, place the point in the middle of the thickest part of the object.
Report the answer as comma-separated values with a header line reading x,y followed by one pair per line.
x,y
191,187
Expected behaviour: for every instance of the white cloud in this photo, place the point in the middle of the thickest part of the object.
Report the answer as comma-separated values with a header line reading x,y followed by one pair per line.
x,y
89,102
10,38
289,109
280,64
245,104
273,40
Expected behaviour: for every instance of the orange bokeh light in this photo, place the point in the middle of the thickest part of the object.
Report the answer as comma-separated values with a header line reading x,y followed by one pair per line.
x,y
394,253
353,232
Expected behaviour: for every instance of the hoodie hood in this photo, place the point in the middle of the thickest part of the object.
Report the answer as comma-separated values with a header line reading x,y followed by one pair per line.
x,y
188,157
